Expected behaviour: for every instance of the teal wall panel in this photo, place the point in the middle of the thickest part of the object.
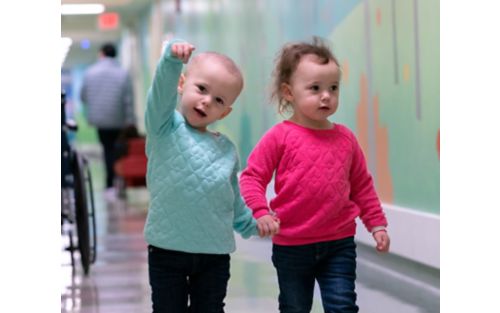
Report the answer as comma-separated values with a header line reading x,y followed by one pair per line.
x,y
389,54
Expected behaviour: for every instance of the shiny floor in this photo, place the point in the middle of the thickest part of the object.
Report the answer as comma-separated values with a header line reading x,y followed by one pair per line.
x,y
118,280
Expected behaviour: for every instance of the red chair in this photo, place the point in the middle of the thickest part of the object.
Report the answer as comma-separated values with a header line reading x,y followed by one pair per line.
x,y
131,168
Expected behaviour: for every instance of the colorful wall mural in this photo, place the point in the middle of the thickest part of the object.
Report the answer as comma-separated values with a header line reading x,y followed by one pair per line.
x,y
389,53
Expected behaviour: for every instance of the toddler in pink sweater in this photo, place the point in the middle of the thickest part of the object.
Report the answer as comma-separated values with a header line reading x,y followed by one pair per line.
x,y
321,182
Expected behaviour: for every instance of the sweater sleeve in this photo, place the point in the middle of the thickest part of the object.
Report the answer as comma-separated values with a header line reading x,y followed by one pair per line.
x,y
363,191
162,96
243,221
261,165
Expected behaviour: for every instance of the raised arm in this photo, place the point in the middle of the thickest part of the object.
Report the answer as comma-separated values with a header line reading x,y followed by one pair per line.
x,y
162,96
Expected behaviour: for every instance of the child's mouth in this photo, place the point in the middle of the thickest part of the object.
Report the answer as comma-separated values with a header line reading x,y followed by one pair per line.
x,y
200,112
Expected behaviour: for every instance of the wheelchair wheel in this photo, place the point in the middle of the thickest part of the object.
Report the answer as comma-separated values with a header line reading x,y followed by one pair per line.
x,y
90,193
84,217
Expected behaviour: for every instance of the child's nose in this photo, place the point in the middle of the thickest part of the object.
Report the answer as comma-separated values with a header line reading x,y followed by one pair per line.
x,y
206,100
325,95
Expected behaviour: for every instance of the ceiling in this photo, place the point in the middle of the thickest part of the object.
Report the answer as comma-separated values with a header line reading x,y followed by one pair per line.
x,y
85,27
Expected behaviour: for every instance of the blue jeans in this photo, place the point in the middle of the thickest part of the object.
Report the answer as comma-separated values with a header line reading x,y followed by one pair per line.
x,y
176,277
331,263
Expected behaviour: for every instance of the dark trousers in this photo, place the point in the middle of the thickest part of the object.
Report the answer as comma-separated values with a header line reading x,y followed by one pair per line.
x,y
108,137
176,277
331,263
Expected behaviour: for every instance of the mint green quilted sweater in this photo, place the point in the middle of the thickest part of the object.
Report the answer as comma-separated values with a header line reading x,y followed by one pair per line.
x,y
195,201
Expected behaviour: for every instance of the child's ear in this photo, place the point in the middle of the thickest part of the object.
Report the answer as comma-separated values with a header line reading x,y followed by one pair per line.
x,y
286,92
180,85
226,112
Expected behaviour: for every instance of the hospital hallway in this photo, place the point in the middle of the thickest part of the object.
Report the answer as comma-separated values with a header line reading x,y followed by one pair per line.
x,y
118,280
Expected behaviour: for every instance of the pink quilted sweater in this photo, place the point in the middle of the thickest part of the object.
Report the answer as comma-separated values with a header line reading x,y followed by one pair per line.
x,y
322,183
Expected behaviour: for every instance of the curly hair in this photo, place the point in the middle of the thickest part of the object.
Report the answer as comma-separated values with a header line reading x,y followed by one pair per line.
x,y
286,63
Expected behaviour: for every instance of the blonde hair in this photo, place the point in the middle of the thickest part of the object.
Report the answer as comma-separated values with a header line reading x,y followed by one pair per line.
x,y
286,63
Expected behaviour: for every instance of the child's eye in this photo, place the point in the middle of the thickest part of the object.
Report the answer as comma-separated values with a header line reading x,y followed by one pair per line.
x,y
219,100
201,88
314,87
334,87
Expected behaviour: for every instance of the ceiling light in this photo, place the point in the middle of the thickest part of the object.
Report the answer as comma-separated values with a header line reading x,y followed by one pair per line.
x,y
73,9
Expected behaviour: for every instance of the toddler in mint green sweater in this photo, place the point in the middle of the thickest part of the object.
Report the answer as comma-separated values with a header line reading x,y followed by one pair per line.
x,y
192,179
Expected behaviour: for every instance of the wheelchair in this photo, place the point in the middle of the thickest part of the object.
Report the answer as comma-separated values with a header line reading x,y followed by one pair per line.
x,y
77,198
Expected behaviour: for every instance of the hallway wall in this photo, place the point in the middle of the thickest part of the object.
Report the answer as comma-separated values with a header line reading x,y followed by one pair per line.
x,y
389,55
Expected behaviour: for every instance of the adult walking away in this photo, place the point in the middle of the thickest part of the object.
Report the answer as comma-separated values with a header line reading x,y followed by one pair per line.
x,y
108,100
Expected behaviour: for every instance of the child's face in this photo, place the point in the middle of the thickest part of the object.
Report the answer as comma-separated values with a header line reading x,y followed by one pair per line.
x,y
208,91
313,92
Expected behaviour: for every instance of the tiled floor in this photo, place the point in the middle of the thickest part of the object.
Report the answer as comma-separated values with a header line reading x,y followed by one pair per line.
x,y
118,281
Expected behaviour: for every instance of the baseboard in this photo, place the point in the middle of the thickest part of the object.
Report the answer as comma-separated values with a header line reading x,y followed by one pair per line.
x,y
414,235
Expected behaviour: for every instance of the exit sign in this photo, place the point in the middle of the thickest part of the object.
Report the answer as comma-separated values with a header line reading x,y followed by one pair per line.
x,y
108,21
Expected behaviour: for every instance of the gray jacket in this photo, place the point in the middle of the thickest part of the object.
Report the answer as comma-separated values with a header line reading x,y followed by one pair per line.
x,y
107,95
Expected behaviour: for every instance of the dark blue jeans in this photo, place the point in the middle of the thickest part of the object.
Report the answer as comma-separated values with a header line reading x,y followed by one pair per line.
x,y
176,277
331,263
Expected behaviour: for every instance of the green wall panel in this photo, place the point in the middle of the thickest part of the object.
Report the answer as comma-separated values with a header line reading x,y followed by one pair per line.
x,y
389,54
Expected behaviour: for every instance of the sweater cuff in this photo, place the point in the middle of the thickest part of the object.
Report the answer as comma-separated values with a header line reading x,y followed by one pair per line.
x,y
260,212
377,228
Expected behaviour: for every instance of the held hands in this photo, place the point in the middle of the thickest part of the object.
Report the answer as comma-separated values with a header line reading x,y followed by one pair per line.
x,y
383,241
182,50
268,225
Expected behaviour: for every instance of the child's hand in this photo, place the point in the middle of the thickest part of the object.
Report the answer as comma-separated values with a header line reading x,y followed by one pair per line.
x,y
268,225
383,241
182,50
